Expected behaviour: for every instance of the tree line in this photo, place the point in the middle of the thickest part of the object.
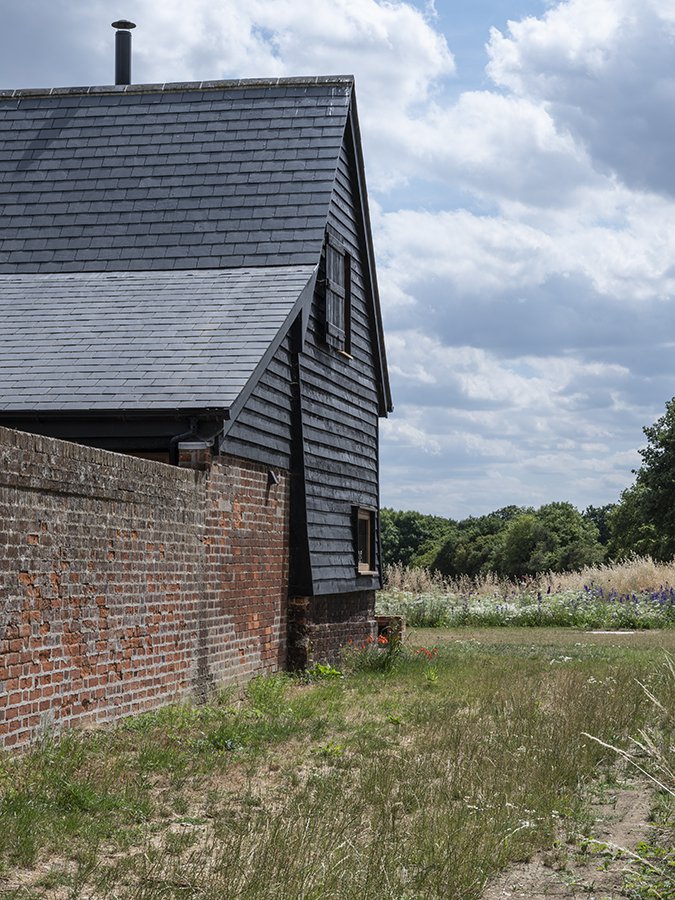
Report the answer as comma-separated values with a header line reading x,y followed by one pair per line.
x,y
516,541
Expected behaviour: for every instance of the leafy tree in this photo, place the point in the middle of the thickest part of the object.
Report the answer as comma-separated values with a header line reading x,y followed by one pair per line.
x,y
469,549
390,536
463,553
600,516
630,531
405,534
554,538
512,541
520,550
575,538
426,555
644,520
655,482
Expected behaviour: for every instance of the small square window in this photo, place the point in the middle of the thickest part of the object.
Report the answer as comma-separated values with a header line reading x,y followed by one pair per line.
x,y
365,541
338,295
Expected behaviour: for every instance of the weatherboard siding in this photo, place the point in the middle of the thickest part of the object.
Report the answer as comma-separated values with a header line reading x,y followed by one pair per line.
x,y
262,430
339,401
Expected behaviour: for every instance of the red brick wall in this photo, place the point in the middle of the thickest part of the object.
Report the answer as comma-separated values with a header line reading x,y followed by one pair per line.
x,y
320,626
125,583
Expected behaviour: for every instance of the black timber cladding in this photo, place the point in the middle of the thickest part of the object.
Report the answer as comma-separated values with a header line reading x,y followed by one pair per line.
x,y
262,430
340,408
208,175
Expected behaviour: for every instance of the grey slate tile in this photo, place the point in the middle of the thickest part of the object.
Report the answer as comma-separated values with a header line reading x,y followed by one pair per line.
x,y
103,169
118,340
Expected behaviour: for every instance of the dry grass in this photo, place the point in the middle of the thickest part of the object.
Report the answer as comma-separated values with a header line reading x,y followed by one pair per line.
x,y
635,575
418,782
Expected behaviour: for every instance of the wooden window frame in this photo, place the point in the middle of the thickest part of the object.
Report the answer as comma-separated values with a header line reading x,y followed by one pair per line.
x,y
337,294
364,514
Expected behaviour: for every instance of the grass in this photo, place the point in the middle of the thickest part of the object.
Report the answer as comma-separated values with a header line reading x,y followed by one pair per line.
x,y
636,594
416,779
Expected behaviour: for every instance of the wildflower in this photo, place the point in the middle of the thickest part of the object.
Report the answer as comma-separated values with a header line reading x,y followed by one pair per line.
x,y
382,640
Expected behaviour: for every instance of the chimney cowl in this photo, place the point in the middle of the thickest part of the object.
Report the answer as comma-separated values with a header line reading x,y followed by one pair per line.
x,y
123,23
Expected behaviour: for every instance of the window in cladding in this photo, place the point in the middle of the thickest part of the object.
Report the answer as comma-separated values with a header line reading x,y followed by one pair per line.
x,y
365,541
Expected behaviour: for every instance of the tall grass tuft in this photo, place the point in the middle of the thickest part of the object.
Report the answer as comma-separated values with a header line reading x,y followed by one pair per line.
x,y
639,574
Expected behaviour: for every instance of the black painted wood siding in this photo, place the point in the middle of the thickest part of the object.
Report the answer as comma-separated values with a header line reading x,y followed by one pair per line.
x,y
262,430
339,402
328,404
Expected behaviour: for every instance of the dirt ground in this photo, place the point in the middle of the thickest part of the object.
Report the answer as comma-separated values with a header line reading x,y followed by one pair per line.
x,y
592,870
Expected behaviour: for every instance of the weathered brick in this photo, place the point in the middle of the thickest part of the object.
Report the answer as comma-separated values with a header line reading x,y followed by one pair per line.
x,y
148,590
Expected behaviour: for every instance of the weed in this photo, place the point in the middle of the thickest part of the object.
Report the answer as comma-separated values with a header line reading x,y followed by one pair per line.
x,y
267,693
653,755
319,672
638,593
330,750
379,654
585,608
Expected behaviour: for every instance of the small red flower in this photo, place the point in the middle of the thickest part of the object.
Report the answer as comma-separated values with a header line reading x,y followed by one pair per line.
x,y
381,639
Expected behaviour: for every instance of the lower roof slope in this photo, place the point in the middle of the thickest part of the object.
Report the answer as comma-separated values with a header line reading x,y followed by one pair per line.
x,y
116,342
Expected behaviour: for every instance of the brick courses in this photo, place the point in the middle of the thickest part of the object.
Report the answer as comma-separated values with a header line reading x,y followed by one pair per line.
x,y
126,584
318,627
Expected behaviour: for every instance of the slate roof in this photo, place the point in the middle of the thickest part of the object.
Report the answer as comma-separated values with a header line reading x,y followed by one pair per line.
x,y
153,237
120,341
176,176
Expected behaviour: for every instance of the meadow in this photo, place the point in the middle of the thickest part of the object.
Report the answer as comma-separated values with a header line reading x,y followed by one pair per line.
x,y
420,771
637,594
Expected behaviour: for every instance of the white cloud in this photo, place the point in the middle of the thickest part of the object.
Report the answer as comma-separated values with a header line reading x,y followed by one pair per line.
x,y
499,147
541,52
469,253
603,68
623,251
405,433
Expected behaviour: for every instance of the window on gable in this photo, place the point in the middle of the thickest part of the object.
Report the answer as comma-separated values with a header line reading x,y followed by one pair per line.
x,y
338,294
365,541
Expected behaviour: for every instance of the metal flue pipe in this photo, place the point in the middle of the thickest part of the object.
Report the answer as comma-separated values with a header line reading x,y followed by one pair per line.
x,y
123,51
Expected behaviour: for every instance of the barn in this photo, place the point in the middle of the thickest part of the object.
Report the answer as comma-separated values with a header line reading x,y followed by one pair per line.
x,y
192,370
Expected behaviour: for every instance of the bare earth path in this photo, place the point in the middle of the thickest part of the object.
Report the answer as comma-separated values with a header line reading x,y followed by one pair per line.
x,y
596,873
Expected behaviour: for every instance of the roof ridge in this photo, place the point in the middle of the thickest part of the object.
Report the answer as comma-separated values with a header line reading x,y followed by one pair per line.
x,y
290,81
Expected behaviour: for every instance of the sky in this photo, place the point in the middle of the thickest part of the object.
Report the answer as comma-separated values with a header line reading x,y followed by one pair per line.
x,y
519,158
